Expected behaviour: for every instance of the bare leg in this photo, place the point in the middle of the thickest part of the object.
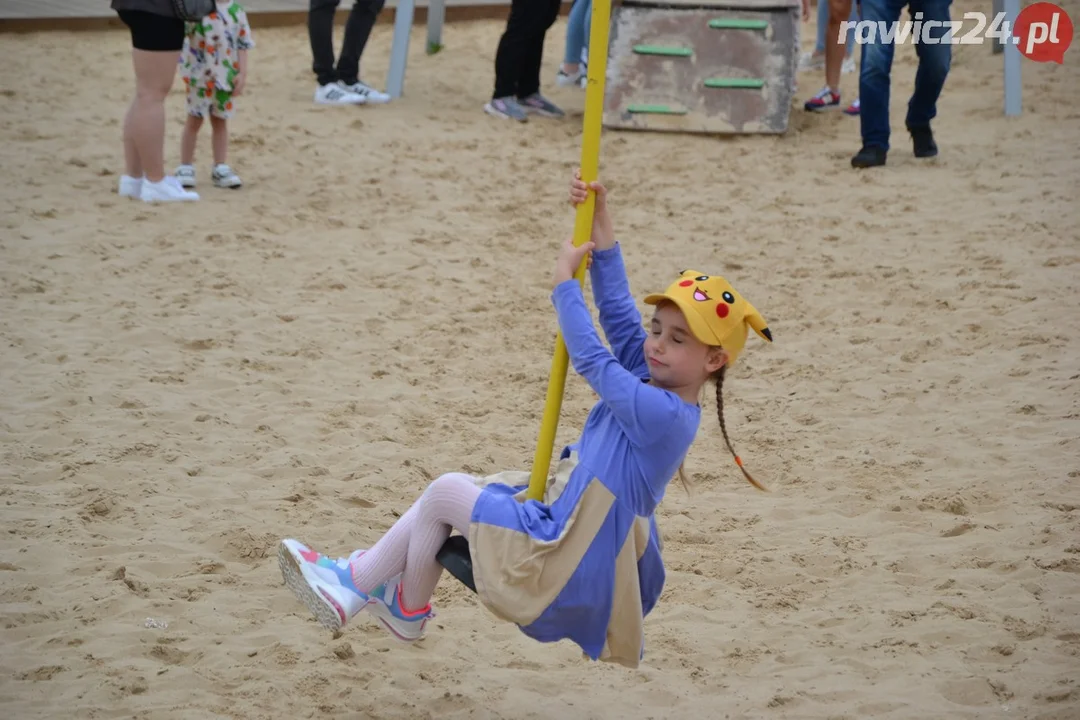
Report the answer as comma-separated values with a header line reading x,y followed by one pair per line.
x,y
835,45
154,74
188,139
220,130
132,164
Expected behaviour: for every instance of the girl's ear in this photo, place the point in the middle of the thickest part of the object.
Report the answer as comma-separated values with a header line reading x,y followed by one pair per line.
x,y
716,359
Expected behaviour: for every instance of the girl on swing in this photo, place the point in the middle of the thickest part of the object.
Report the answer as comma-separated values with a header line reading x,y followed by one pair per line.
x,y
586,567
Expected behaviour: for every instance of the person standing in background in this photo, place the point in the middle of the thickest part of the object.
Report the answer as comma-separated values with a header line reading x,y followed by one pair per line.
x,y
341,85
518,60
157,36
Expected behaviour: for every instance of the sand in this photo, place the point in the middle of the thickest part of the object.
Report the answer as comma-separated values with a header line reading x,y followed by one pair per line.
x,y
183,386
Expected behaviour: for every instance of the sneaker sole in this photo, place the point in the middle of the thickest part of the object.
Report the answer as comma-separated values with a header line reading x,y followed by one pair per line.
x,y
165,200
382,613
228,186
329,614
490,110
544,113
323,101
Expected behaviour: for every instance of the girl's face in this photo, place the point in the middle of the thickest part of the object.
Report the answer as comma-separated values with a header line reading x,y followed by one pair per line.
x,y
677,360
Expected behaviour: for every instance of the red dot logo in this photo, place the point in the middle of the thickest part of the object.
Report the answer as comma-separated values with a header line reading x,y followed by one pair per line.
x,y
1043,32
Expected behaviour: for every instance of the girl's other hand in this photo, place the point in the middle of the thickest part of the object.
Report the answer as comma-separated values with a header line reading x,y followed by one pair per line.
x,y
569,259
579,191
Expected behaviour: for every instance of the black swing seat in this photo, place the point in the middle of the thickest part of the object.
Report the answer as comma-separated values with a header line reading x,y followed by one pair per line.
x,y
454,556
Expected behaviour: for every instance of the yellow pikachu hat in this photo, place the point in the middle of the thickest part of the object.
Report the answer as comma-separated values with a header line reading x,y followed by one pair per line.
x,y
716,314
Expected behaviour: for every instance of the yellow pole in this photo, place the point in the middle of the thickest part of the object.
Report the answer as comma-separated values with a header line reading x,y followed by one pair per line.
x,y
590,167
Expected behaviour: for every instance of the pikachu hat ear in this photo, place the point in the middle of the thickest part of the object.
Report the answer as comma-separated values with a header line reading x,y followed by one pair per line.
x,y
757,322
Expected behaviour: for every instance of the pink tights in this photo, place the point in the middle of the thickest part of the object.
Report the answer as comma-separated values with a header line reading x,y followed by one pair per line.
x,y
409,546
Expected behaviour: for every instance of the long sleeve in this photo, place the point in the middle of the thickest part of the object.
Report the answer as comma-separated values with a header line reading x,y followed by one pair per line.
x,y
640,409
619,316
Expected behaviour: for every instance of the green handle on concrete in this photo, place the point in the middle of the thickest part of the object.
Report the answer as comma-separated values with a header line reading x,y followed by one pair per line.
x,y
734,83
736,24
656,109
661,50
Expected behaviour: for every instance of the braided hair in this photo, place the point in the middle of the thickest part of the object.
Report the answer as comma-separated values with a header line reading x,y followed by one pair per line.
x,y
718,376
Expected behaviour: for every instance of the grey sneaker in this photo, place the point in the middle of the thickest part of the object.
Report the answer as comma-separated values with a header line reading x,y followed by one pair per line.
x,y
224,177
537,103
186,175
506,107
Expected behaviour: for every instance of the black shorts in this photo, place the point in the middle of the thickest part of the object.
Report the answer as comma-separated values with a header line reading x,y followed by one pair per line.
x,y
153,32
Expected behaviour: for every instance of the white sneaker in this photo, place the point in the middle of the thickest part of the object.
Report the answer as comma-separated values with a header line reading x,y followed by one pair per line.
x,y
168,190
186,175
811,61
574,79
336,94
323,584
371,95
848,66
224,177
130,186
385,604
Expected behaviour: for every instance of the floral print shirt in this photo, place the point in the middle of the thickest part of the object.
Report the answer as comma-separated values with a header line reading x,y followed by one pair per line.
x,y
210,59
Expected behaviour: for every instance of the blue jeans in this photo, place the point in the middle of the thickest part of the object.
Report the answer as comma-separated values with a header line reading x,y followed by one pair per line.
x,y
877,57
577,30
823,27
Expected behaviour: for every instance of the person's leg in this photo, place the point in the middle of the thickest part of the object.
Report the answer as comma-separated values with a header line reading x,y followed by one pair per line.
x,y
822,26
131,181
853,17
509,62
219,129
223,175
546,13
575,36
815,59
188,138
528,91
321,37
934,61
196,109
876,67
839,10
399,572
132,163
357,31
828,98
154,72
447,506
156,45
513,48
586,30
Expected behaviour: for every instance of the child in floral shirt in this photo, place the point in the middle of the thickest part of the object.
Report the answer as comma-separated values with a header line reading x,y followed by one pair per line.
x,y
214,68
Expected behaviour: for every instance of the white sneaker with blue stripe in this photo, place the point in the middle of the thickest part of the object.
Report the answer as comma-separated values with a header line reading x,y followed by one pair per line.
x,y
405,625
324,585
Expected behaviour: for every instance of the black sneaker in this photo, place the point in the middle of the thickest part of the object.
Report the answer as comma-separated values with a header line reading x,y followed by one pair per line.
x,y
869,156
922,139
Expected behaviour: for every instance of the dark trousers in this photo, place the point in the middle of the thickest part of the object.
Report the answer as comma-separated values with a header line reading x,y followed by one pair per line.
x,y
521,48
935,58
357,30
